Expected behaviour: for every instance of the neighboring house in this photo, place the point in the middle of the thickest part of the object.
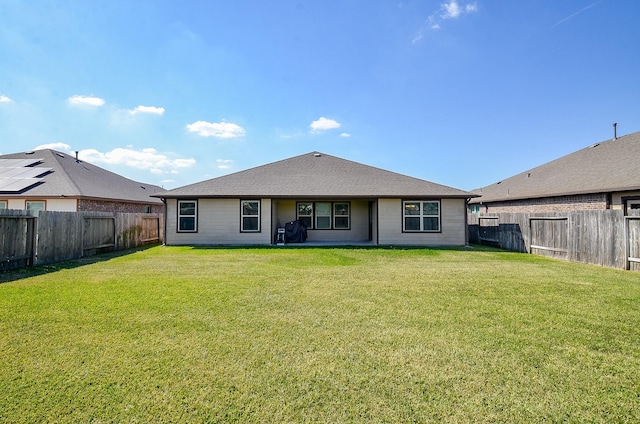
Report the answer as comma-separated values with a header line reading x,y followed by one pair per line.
x,y
338,200
605,175
54,181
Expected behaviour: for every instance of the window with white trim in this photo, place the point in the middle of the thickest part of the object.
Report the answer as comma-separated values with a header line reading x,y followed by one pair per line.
x,y
36,206
250,216
305,214
341,215
421,216
324,215
187,216
3,204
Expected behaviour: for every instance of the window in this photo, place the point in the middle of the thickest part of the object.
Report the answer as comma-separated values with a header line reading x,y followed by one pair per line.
x,y
633,205
341,216
250,216
324,215
305,214
3,204
187,216
421,216
147,209
35,206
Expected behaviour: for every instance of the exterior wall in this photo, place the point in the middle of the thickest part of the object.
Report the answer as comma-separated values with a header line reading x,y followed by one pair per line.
x,y
359,230
58,205
218,223
285,211
617,202
85,205
452,223
596,201
82,205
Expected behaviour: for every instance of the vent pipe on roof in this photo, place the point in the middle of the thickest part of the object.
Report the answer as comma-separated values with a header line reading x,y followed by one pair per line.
x,y
615,131
77,160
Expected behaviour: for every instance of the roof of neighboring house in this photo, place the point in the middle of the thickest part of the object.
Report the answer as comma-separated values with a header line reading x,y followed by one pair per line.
x,y
608,166
315,175
47,173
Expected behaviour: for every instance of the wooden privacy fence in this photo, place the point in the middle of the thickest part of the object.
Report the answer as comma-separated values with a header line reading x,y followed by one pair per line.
x,y
51,237
604,237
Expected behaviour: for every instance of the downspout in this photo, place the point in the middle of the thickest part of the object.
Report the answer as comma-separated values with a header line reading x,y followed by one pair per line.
x,y
466,222
164,224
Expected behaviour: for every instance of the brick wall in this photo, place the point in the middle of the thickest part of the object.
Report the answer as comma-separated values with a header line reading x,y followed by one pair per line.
x,y
549,204
85,205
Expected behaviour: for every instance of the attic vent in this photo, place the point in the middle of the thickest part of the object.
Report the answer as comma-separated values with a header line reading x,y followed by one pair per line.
x,y
595,145
143,187
317,155
29,153
499,182
60,154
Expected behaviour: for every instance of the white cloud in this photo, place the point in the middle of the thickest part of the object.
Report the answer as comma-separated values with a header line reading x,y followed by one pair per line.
x,y
216,129
60,146
449,10
85,100
152,110
5,99
224,163
452,10
344,134
149,159
323,124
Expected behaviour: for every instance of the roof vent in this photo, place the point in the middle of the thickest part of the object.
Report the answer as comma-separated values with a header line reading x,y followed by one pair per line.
x,y
317,155
29,153
60,154
615,130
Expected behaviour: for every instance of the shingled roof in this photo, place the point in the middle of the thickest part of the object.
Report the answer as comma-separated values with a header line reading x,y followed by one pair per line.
x,y
65,176
315,175
608,166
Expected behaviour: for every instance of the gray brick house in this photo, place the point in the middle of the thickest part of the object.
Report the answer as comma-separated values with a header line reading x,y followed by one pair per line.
x,y
54,181
604,175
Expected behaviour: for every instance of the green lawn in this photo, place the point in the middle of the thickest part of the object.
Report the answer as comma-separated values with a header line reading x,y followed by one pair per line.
x,y
177,334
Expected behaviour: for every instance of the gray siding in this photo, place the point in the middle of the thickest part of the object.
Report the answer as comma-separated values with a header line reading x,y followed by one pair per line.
x,y
218,223
285,211
452,219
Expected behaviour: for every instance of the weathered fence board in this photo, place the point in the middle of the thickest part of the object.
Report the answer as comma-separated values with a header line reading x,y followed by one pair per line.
x,y
59,237
51,237
17,239
596,237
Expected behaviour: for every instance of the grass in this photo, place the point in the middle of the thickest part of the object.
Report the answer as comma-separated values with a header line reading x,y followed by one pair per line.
x,y
177,334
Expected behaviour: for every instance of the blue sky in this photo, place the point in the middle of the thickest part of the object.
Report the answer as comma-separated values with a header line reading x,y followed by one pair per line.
x,y
462,93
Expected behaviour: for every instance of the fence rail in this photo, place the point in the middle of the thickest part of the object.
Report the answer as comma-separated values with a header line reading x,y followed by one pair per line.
x,y
604,237
50,237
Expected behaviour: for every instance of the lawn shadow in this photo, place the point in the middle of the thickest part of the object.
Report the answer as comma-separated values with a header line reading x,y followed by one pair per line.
x,y
18,274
